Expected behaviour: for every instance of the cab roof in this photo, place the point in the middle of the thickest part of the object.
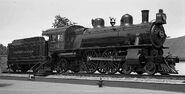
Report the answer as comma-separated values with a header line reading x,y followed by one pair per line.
x,y
55,31
61,30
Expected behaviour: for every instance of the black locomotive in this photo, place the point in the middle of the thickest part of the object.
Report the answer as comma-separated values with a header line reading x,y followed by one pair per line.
x,y
107,49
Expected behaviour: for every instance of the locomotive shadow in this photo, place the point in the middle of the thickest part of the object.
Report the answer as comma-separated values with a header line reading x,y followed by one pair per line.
x,y
4,85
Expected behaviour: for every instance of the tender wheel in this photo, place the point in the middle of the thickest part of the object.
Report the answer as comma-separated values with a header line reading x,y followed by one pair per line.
x,y
62,66
24,68
126,69
150,68
91,66
13,68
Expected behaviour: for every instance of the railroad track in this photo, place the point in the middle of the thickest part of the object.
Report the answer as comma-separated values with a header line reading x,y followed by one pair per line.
x,y
176,85
171,77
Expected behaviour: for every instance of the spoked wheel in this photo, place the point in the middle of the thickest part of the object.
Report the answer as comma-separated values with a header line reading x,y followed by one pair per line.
x,y
75,66
113,67
13,68
62,66
150,68
110,67
91,66
126,69
24,68
103,67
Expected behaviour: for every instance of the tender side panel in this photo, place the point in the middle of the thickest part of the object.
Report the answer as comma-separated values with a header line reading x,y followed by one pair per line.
x,y
27,52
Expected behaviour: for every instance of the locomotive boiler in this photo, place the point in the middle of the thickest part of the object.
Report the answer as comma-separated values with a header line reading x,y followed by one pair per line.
x,y
110,49
125,34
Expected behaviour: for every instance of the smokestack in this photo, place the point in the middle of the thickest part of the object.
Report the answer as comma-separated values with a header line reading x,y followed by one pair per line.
x,y
145,17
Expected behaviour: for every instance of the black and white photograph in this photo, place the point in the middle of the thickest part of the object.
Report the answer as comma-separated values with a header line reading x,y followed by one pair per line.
x,y
92,47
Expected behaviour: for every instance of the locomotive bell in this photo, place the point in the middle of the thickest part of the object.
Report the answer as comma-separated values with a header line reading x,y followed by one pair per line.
x,y
145,17
126,20
98,22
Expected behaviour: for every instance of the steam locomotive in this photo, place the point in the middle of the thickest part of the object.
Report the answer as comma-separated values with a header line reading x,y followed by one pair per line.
x,y
107,49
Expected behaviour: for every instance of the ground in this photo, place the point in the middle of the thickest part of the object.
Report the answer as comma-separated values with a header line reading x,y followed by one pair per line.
x,y
35,87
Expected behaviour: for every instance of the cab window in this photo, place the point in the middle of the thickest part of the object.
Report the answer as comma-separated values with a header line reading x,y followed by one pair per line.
x,y
60,38
53,38
56,38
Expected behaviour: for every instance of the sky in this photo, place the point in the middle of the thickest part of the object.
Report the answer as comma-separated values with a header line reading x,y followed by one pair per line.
x,y
28,18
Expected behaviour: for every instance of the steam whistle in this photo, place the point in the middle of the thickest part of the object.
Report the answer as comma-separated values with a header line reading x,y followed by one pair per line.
x,y
112,21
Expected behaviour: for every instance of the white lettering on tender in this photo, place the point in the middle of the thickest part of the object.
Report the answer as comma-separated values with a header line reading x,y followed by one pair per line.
x,y
23,52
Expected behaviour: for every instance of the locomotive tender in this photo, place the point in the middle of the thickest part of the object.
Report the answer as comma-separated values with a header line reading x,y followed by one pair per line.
x,y
107,49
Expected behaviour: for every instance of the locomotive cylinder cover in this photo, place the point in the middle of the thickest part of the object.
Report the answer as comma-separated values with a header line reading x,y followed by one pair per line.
x,y
98,22
126,20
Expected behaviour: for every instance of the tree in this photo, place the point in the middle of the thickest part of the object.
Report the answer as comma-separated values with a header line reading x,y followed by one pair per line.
x,y
3,50
62,21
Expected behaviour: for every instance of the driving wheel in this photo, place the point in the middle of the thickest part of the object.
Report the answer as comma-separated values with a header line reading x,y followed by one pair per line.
x,y
91,66
150,68
126,69
62,66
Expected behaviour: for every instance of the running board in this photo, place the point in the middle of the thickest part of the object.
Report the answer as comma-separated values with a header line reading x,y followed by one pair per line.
x,y
104,59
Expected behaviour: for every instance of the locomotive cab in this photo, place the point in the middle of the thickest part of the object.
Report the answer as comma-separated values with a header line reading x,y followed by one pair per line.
x,y
64,38
56,38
